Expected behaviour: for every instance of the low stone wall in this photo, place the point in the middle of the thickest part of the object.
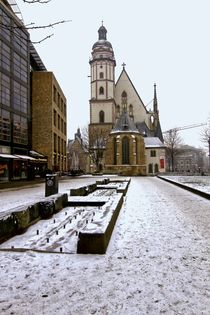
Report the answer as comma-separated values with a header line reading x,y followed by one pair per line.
x,y
86,190
96,243
22,217
191,189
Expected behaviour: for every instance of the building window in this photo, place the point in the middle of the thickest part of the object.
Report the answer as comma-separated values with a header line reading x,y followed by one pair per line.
x,y
54,117
118,111
64,127
150,168
101,90
59,100
59,122
101,116
55,142
20,130
153,153
101,75
54,94
156,168
124,100
59,144
131,110
115,151
5,91
4,56
125,150
20,97
5,121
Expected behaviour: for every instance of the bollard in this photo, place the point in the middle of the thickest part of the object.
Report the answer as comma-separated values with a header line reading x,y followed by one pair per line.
x,y
61,249
65,213
54,221
37,232
64,226
56,232
48,240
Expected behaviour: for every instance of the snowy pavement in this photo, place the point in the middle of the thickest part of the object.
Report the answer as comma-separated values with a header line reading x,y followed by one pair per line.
x,y
157,262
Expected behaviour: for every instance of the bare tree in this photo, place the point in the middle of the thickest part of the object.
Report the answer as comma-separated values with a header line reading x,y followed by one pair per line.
x,y
172,141
205,137
95,142
32,25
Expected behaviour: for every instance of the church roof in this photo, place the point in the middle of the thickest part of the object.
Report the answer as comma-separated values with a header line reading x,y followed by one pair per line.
x,y
124,124
102,41
125,72
153,142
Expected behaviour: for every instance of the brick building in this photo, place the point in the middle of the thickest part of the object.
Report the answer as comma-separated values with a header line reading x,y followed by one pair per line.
x,y
49,119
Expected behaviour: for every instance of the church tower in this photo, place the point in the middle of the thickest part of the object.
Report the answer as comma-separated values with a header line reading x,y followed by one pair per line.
x,y
102,81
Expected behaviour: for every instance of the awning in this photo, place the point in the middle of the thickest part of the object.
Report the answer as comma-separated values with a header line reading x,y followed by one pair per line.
x,y
25,157
8,156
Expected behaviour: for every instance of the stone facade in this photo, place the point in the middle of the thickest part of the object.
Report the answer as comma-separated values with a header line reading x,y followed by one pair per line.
x,y
78,156
49,119
136,154
117,111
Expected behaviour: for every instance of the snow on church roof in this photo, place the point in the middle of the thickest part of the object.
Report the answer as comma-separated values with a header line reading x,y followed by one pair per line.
x,y
153,142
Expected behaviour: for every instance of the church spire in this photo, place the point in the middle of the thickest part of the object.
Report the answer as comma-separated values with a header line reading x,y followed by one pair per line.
x,y
155,103
102,32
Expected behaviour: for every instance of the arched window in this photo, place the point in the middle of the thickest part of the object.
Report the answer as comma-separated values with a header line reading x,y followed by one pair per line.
x,y
150,168
101,90
101,116
124,100
125,150
117,111
156,168
101,75
115,151
131,110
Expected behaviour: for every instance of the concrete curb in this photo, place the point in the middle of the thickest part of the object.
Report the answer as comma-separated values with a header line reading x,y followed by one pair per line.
x,y
191,189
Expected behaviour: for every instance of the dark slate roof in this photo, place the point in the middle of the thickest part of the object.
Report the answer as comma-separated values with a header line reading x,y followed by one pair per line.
x,y
124,124
102,40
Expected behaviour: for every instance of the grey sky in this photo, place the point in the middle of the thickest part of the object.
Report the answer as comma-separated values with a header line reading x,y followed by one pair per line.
x,y
164,41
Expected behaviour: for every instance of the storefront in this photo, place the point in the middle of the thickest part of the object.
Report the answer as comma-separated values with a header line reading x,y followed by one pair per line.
x,y
6,165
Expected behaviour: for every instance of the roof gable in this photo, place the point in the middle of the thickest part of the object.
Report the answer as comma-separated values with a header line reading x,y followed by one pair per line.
x,y
125,77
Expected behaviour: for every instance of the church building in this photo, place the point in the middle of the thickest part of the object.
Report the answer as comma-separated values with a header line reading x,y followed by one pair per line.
x,y
129,136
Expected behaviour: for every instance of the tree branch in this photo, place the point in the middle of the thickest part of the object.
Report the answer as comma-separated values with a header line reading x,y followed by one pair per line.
x,y
28,27
37,1
43,39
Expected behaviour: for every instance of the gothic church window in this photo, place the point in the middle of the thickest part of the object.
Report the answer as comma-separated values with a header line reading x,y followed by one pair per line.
x,y
125,150
124,100
118,111
101,116
101,90
131,110
101,75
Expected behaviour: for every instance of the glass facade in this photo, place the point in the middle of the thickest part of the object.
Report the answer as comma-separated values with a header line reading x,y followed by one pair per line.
x,y
14,92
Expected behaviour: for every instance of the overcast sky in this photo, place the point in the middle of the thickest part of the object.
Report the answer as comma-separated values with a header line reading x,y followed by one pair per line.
x,y
162,41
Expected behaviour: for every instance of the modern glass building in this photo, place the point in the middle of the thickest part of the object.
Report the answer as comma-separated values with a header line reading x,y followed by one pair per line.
x,y
15,113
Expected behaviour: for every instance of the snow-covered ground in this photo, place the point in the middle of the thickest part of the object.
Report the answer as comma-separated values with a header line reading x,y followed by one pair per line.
x,y
157,261
201,183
